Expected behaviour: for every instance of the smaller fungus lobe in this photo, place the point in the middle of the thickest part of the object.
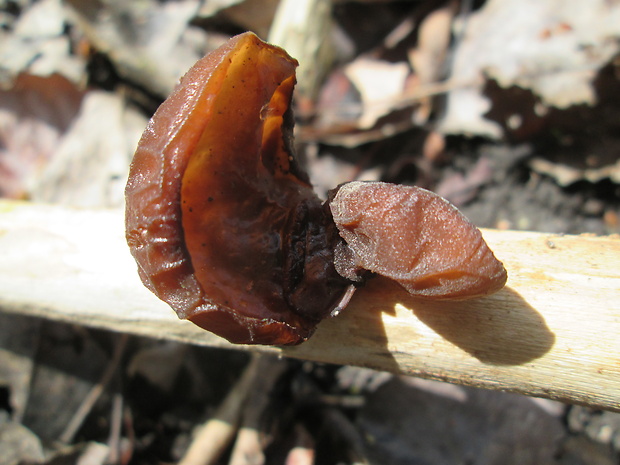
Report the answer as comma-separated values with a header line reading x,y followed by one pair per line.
x,y
414,237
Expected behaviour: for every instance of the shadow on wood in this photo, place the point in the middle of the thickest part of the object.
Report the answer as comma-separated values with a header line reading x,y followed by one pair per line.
x,y
500,330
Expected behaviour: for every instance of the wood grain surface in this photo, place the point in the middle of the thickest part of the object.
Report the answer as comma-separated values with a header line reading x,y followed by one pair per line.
x,y
553,332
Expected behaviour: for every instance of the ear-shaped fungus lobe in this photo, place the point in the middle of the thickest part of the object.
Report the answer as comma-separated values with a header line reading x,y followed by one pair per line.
x,y
222,224
414,237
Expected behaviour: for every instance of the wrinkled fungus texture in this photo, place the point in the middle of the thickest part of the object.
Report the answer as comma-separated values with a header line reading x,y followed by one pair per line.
x,y
224,226
414,237
227,230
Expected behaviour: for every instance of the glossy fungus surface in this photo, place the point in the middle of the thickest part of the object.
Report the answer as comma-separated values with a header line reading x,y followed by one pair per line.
x,y
414,237
224,226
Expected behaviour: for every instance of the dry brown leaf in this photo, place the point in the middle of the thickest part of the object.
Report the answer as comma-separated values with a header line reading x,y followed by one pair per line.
x,y
213,7
460,189
405,418
252,15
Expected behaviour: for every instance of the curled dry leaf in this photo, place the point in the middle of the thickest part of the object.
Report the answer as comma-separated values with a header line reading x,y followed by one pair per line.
x,y
227,230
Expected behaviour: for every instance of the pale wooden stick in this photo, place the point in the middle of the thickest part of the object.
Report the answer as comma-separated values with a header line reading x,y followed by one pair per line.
x,y
303,452
254,434
214,437
553,332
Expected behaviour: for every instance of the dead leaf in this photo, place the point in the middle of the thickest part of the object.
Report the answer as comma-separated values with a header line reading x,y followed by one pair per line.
x,y
380,84
565,175
18,444
428,57
338,104
251,15
552,47
144,39
67,366
213,7
89,168
38,45
159,363
460,188
34,114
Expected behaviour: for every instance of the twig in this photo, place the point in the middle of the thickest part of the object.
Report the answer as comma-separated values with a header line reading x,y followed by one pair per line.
x,y
94,394
303,451
254,436
116,421
218,432
242,412
248,449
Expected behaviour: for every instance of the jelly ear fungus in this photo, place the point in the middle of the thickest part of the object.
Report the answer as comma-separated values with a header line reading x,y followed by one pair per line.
x,y
226,229
224,226
414,237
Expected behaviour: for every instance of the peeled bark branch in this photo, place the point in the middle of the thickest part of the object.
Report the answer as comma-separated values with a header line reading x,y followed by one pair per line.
x,y
552,332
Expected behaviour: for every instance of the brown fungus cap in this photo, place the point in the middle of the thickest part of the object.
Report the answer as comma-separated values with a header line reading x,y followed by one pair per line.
x,y
222,223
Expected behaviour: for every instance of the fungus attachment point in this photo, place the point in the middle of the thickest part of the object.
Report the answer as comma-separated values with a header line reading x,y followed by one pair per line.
x,y
414,237
227,230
